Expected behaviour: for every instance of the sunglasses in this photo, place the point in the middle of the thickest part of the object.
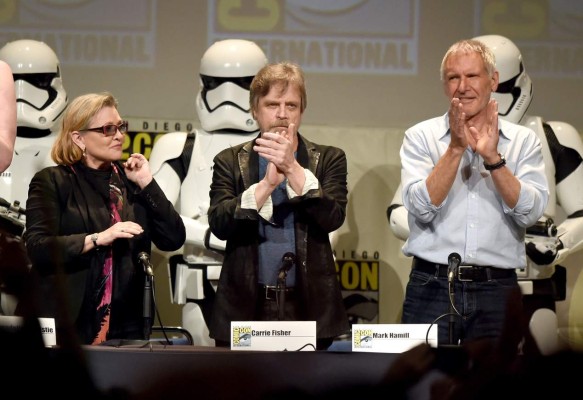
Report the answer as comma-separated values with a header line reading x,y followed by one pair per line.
x,y
110,129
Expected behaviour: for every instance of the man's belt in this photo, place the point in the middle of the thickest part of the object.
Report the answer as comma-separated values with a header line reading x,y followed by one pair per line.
x,y
270,292
465,273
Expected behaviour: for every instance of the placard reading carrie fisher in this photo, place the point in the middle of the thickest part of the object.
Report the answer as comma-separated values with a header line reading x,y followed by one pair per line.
x,y
392,338
273,335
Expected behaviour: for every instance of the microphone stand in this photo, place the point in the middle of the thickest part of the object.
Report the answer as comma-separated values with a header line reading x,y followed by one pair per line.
x,y
451,326
147,312
147,308
280,292
453,262
287,261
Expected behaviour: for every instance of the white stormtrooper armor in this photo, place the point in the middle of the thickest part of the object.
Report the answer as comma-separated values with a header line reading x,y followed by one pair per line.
x,y
543,281
40,102
182,164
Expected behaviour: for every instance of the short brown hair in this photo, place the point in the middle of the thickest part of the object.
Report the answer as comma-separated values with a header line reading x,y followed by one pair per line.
x,y
285,73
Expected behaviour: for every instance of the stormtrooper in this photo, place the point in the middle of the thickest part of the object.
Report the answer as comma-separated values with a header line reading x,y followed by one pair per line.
x,y
182,164
543,281
40,102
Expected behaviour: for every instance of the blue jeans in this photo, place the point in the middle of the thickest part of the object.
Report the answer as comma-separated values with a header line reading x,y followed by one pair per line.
x,y
482,306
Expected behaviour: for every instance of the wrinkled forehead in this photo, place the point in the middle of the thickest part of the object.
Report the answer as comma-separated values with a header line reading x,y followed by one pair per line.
x,y
283,89
463,61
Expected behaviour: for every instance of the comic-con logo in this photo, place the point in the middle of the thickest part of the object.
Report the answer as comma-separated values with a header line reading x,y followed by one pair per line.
x,y
362,338
241,336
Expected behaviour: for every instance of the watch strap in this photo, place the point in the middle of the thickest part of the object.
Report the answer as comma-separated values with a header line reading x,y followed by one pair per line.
x,y
499,164
94,237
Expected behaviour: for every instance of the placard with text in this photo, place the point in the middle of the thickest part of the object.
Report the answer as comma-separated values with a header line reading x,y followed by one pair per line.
x,y
392,338
47,327
273,335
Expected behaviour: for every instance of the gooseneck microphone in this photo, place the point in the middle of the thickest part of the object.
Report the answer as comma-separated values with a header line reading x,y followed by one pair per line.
x,y
145,260
453,262
287,262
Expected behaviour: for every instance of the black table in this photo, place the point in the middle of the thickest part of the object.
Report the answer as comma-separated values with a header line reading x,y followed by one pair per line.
x,y
177,371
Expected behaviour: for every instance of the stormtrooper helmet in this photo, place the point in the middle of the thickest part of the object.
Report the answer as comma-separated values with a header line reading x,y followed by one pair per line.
x,y
40,96
226,70
514,92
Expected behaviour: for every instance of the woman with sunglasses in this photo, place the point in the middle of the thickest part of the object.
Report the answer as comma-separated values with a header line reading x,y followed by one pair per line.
x,y
89,218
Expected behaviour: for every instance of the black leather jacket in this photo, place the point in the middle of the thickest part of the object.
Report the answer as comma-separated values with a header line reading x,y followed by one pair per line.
x,y
316,214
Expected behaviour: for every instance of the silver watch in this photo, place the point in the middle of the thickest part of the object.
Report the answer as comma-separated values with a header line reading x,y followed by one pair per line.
x,y
94,237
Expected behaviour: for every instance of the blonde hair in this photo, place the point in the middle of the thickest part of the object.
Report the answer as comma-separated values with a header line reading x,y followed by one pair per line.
x,y
284,73
471,46
77,116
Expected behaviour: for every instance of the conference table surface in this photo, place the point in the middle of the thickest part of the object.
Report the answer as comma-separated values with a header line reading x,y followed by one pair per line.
x,y
175,370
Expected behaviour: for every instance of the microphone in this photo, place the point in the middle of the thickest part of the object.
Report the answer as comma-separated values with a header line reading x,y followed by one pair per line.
x,y
147,310
287,261
145,260
453,262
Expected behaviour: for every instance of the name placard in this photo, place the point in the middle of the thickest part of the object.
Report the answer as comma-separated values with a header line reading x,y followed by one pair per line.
x,y
392,338
273,335
47,327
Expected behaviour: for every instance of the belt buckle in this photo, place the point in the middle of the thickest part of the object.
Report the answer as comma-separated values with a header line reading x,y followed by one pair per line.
x,y
460,269
270,290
